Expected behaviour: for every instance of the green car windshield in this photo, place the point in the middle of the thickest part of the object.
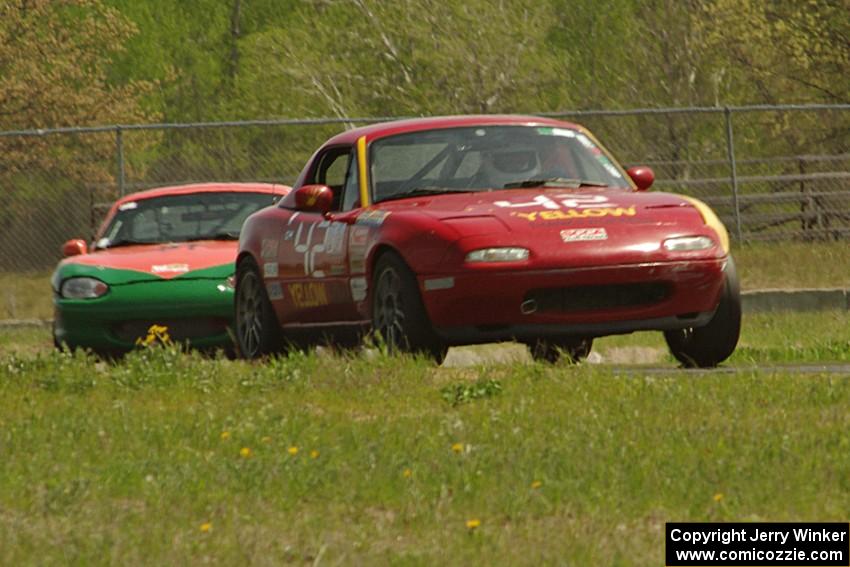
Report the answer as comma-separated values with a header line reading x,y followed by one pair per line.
x,y
182,218
485,158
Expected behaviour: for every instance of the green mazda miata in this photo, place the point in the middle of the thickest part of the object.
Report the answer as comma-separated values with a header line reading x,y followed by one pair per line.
x,y
161,263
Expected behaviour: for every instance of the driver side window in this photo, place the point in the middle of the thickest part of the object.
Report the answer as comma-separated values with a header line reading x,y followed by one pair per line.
x,y
338,170
351,191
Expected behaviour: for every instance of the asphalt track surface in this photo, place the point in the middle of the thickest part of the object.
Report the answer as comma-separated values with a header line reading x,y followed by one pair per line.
x,y
632,361
832,368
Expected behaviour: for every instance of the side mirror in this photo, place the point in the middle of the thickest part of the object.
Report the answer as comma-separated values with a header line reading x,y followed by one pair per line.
x,y
74,247
314,198
642,175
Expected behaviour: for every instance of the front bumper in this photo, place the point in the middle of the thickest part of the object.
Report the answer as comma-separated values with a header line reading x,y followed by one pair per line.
x,y
481,305
195,311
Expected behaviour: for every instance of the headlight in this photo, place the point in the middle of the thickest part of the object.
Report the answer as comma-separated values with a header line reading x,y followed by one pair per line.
x,y
497,255
82,288
688,243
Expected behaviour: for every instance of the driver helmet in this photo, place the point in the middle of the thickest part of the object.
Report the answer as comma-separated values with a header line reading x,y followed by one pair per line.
x,y
511,164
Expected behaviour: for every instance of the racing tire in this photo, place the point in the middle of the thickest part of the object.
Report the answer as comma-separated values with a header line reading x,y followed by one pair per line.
x,y
398,315
711,344
551,351
258,332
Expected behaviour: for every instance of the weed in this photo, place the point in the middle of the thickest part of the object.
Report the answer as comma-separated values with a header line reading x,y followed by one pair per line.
x,y
465,392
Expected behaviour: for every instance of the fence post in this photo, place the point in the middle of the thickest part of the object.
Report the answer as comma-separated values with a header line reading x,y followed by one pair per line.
x,y
730,149
119,151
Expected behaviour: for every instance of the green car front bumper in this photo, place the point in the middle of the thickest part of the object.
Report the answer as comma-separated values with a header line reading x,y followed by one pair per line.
x,y
198,311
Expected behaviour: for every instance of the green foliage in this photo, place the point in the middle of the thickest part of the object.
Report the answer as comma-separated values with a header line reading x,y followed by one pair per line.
x,y
466,392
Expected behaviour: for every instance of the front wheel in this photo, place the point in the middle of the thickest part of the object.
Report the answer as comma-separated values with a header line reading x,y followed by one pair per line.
x,y
398,316
708,346
551,351
257,330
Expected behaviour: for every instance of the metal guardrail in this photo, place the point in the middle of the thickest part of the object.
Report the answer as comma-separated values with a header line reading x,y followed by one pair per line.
x,y
772,172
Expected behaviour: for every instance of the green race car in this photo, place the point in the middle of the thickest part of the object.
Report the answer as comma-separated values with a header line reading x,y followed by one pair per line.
x,y
161,266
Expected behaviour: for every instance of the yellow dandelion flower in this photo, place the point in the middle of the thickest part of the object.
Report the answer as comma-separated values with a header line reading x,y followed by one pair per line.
x,y
473,523
407,473
536,484
206,526
718,497
457,447
225,435
314,454
292,450
156,334
246,452
266,440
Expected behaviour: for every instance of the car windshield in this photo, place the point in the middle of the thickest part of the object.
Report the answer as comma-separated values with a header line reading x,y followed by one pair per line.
x,y
484,158
182,218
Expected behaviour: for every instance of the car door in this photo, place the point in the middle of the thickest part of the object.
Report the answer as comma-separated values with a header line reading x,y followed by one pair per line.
x,y
314,250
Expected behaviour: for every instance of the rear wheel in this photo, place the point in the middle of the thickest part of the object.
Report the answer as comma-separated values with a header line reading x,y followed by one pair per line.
x,y
258,333
551,350
708,346
398,315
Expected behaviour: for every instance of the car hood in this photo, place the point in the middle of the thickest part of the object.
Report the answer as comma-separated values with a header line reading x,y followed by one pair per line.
x,y
567,228
519,209
157,261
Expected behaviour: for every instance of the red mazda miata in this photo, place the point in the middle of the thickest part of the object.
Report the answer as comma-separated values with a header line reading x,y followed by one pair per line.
x,y
448,231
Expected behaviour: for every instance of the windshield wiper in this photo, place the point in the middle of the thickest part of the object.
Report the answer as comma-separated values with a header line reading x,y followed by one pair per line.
x,y
223,235
126,242
419,191
555,182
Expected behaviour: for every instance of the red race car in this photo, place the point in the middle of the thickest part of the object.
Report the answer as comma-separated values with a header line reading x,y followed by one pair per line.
x,y
448,231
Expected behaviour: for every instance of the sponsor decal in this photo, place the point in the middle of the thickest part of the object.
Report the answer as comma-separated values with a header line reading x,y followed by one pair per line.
x,y
585,141
357,249
577,214
359,288
334,237
359,235
435,284
270,270
288,234
357,262
372,218
583,234
557,132
268,249
313,294
275,291
169,268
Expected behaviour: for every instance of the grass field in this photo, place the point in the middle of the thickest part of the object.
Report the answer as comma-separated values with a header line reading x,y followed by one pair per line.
x,y
761,265
169,458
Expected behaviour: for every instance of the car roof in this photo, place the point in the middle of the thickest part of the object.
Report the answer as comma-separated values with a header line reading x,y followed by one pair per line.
x,y
383,129
271,188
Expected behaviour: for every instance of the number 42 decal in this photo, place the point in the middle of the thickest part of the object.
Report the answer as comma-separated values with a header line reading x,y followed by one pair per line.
x,y
309,243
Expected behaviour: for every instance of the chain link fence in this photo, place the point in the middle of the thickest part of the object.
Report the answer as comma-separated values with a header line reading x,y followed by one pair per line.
x,y
771,172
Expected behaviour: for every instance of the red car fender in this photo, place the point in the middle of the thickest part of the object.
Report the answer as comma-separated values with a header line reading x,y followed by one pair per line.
x,y
420,240
260,225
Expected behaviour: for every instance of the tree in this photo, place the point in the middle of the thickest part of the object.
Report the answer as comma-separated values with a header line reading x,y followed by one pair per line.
x,y
406,57
54,56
